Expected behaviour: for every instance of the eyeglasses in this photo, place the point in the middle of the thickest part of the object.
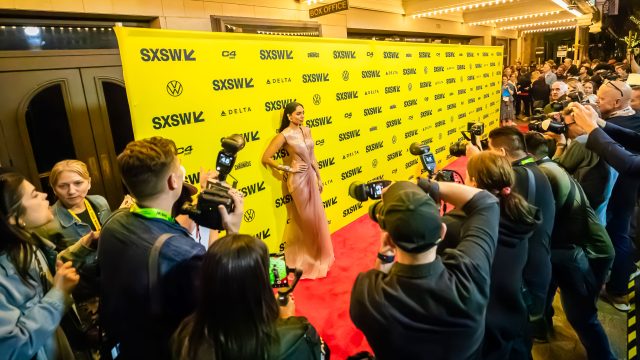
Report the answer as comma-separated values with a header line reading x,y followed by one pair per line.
x,y
607,82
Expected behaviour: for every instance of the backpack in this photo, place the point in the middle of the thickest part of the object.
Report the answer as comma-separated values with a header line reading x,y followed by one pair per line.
x,y
300,340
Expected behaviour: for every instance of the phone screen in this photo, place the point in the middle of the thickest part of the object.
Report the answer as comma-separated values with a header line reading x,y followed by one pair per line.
x,y
278,271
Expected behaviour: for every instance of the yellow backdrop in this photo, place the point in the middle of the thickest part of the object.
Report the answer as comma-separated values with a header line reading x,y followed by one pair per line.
x,y
365,102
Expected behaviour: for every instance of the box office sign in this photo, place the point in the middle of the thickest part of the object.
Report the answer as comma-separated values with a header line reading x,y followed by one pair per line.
x,y
329,9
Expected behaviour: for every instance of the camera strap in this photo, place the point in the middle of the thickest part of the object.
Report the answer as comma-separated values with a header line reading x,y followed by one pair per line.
x,y
152,213
155,290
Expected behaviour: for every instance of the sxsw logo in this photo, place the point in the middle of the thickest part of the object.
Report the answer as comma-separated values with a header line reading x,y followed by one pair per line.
x,y
314,78
283,200
344,54
230,84
173,120
251,136
351,173
368,74
280,154
391,55
346,95
325,163
351,209
264,234
253,188
166,54
275,105
349,135
374,146
276,54
317,122
330,202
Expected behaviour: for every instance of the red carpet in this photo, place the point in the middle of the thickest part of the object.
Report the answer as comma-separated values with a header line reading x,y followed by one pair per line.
x,y
325,302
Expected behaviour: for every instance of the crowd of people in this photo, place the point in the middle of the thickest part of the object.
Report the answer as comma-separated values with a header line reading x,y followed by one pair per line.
x,y
539,212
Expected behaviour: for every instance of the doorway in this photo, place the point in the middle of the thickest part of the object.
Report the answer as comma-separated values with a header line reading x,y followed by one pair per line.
x,y
59,105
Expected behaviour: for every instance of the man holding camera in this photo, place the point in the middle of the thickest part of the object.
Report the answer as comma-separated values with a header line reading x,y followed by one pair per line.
x,y
414,303
140,307
558,95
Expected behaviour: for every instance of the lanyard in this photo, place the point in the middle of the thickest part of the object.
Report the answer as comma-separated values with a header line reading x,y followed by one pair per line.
x,y
92,215
152,213
526,161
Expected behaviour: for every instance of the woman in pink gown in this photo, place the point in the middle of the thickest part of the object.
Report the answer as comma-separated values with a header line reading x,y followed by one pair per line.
x,y
306,237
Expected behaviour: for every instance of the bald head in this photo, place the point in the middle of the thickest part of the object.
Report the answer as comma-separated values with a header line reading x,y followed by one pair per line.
x,y
613,96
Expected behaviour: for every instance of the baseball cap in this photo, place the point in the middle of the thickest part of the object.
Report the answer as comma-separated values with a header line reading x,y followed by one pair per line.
x,y
410,216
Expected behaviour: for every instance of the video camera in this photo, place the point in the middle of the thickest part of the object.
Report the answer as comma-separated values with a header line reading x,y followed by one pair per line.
x,y
474,130
205,212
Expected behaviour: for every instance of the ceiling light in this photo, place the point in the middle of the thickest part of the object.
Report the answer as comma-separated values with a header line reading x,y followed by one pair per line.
x,y
528,16
564,5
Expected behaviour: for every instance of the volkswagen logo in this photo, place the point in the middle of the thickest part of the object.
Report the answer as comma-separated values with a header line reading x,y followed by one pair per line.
x,y
345,75
426,69
316,99
174,88
394,139
374,163
249,215
410,86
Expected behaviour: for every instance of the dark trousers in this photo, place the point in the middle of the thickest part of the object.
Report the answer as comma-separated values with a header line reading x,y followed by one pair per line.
x,y
623,265
526,105
580,280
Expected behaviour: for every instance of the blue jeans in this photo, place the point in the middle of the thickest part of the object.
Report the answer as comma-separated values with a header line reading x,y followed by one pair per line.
x,y
580,280
623,266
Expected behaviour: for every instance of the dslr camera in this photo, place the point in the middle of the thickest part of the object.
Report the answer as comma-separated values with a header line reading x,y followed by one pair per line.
x,y
205,211
474,130
549,124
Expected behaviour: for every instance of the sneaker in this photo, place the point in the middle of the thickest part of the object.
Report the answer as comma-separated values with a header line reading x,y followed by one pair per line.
x,y
618,302
635,274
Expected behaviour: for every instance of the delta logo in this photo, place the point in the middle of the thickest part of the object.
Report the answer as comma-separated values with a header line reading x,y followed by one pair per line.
x,y
235,111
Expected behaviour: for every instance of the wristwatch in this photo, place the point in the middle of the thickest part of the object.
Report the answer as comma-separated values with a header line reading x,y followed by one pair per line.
x,y
386,259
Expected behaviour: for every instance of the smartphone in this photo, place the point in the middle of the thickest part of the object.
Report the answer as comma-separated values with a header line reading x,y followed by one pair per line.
x,y
278,271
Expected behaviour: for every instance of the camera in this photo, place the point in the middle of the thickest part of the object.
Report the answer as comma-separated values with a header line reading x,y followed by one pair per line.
x,y
227,156
279,277
426,157
557,127
205,212
538,115
371,190
474,130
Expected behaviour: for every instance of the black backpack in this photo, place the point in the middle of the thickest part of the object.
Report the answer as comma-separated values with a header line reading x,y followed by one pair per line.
x,y
300,340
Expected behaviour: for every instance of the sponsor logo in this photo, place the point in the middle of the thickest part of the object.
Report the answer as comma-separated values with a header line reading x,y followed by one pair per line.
x,y
410,133
426,113
450,54
460,67
353,153
462,91
242,165
253,188
373,128
438,68
394,139
451,131
193,178
379,177
425,84
313,54
317,122
410,86
374,163
264,234
368,74
370,54
411,163
427,141
330,202
394,155
394,122
345,75
282,153
325,163
351,173
172,120
349,135
451,106
373,110
392,106
439,123
391,55
283,200
230,84
317,99
424,55
320,142
278,80
451,81
372,92
184,150
374,146
426,69
462,115
408,55
440,149
344,54
314,78
348,115
346,95
276,54
235,111
174,88
275,105
411,102
166,54
229,54
351,209
409,71
249,215
391,89
251,136
438,96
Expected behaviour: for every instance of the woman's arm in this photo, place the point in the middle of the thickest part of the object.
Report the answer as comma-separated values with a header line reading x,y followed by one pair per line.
x,y
276,143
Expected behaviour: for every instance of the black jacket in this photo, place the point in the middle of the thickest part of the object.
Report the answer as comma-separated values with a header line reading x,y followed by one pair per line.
x,y
540,90
618,146
434,310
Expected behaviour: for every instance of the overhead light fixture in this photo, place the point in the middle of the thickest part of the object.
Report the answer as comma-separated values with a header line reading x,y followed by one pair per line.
x,y
541,23
559,28
459,8
513,18
573,10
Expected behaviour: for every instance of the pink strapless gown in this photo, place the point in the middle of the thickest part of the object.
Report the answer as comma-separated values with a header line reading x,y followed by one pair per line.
x,y
307,241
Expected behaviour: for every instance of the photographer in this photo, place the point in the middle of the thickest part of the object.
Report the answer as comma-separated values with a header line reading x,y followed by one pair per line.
x,y
507,316
558,95
414,302
237,267
139,320
581,254
534,186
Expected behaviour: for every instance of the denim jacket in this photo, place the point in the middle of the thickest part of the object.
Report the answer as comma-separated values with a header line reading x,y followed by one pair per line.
x,y
29,324
65,230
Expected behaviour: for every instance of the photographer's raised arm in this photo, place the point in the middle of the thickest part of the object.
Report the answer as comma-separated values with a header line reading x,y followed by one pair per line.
x,y
456,194
267,158
231,222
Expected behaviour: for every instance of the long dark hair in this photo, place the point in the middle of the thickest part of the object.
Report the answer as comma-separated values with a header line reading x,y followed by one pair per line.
x,y
19,247
237,311
288,110
493,173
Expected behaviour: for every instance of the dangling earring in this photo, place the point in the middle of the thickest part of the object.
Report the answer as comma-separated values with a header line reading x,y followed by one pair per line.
x,y
22,223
